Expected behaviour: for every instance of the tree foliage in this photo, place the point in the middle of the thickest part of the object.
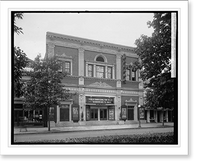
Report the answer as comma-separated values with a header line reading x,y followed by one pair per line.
x,y
155,54
17,29
20,61
45,87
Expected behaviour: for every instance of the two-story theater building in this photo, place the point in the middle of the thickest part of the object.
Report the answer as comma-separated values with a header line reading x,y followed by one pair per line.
x,y
95,70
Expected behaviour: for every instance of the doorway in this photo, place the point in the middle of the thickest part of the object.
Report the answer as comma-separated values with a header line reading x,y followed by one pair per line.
x,y
94,113
130,112
103,113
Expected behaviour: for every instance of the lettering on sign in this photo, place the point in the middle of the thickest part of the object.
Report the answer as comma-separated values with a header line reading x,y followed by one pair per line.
x,y
100,100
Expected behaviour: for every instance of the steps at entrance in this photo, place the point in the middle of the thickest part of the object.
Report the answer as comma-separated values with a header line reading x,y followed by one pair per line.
x,y
101,122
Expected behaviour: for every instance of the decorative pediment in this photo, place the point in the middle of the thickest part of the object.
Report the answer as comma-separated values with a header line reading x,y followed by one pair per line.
x,y
64,56
100,84
131,100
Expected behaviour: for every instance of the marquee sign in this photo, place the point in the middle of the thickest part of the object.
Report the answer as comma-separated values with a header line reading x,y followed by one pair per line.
x,y
100,100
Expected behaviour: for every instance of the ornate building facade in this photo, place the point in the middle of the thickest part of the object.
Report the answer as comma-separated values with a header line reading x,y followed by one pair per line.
x,y
96,75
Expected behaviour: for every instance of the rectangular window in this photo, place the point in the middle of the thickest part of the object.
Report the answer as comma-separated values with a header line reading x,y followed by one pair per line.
x,y
67,67
90,70
61,66
127,74
100,71
133,77
109,72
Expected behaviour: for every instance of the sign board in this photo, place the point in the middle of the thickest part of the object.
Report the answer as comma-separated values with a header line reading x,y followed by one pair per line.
x,y
124,112
75,112
142,114
100,100
111,113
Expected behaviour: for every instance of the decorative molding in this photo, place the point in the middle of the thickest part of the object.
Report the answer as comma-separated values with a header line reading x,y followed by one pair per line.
x,y
64,56
100,84
83,41
130,101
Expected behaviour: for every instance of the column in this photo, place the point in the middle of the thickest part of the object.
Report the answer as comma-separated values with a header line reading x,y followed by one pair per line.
x,y
117,101
148,116
166,115
70,112
86,70
106,72
58,114
118,66
81,61
94,72
136,112
98,114
50,50
156,116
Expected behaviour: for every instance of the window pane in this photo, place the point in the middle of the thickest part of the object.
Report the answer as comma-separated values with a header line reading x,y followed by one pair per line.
x,y
109,72
90,70
127,74
133,76
100,70
67,67
100,59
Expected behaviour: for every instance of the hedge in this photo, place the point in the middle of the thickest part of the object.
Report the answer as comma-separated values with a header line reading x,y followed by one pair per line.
x,y
150,138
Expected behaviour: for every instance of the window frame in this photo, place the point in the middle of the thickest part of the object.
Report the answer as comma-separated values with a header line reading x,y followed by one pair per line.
x,y
63,61
111,72
92,71
104,71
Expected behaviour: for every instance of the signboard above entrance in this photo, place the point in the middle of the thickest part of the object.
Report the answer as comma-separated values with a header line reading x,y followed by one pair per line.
x,y
100,100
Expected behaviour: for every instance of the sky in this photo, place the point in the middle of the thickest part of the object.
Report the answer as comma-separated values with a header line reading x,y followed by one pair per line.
x,y
117,28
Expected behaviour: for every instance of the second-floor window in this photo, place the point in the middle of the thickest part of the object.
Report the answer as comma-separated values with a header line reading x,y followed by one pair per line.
x,y
90,70
100,71
109,73
130,75
65,67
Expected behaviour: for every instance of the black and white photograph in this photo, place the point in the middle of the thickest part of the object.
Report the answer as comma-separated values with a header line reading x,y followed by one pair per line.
x,y
94,78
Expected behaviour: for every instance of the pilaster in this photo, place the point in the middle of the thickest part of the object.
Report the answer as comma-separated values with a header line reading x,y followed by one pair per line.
x,y
118,66
81,61
50,50
58,114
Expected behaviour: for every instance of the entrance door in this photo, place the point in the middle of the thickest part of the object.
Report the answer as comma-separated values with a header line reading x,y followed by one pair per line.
x,y
103,114
64,114
131,113
94,113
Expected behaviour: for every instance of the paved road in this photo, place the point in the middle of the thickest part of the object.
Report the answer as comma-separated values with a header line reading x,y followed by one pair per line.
x,y
54,136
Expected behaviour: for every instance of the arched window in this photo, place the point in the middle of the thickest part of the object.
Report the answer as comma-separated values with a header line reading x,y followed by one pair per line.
x,y
100,58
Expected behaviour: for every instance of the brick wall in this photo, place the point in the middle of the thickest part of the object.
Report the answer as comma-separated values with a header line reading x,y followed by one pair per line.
x,y
90,55
60,50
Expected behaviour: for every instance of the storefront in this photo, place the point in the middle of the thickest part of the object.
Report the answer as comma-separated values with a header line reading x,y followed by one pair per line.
x,y
100,108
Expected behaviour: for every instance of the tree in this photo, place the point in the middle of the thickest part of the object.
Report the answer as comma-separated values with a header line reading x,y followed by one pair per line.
x,y
45,89
155,54
20,61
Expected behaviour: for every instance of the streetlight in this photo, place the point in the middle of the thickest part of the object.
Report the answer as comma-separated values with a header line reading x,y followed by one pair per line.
x,y
139,116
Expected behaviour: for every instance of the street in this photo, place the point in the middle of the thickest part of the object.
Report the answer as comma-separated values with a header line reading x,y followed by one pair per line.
x,y
64,135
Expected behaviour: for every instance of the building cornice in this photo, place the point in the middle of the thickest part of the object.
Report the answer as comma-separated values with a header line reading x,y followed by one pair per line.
x,y
89,42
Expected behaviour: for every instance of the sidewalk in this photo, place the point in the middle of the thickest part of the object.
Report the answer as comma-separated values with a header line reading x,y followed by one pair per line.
x,y
39,130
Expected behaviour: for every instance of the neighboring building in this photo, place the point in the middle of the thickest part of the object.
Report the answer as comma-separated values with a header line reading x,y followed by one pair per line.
x,y
96,74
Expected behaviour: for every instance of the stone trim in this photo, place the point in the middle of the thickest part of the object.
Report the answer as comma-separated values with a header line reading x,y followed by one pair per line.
x,y
84,41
